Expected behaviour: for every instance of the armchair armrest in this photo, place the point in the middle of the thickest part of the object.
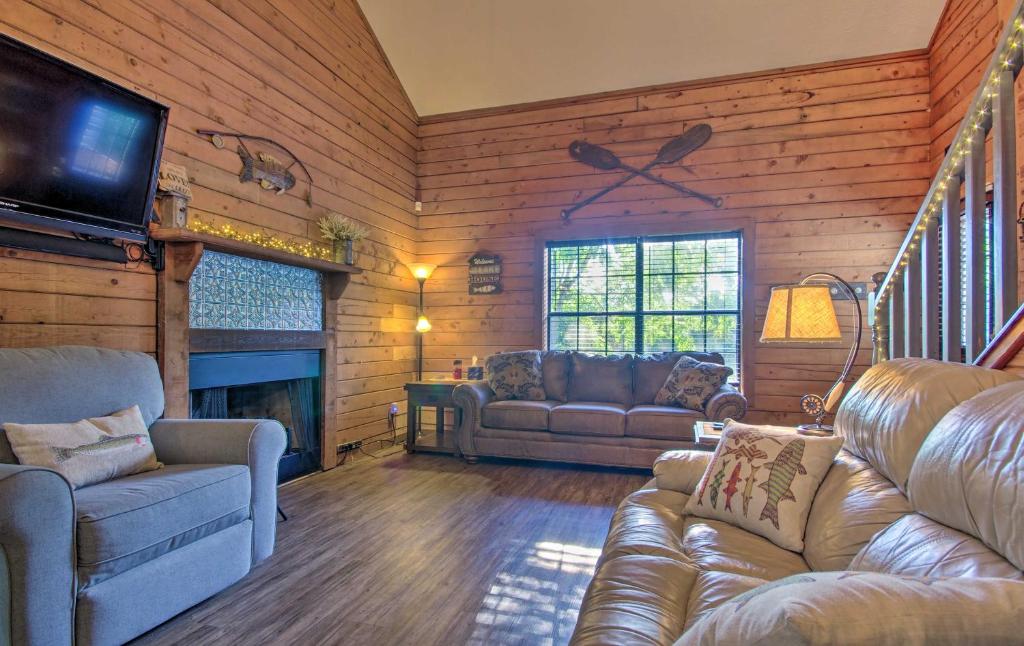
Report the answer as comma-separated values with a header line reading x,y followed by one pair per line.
x,y
258,443
681,470
37,546
471,399
726,403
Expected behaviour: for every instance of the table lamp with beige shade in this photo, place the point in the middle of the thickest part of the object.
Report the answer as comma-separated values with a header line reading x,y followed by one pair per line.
x,y
805,313
421,272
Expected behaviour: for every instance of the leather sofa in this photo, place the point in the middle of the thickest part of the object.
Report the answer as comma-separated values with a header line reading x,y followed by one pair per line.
x,y
928,487
104,563
600,410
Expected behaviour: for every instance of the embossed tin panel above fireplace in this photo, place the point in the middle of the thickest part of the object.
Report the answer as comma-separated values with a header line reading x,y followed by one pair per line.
x,y
232,292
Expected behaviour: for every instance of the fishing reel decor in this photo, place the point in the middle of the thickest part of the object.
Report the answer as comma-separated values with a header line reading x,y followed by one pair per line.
x,y
671,152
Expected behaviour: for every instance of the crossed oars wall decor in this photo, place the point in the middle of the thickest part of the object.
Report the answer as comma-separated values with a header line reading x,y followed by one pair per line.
x,y
675,149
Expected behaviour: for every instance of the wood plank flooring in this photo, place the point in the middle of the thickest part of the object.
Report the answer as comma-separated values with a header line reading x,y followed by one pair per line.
x,y
420,549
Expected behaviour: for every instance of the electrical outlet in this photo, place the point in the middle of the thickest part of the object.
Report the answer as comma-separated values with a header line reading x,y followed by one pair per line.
x,y
348,447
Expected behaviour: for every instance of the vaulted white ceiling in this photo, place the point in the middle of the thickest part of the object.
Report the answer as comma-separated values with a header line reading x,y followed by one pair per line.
x,y
454,55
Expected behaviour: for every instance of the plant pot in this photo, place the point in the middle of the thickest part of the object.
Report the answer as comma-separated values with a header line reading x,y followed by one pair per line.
x,y
344,252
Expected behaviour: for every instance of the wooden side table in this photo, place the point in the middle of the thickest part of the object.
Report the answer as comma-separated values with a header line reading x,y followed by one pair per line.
x,y
437,395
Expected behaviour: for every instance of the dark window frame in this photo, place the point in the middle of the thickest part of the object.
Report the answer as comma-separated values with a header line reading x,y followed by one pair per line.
x,y
639,311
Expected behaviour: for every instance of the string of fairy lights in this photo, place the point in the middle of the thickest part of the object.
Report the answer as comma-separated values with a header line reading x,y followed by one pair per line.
x,y
1008,57
303,248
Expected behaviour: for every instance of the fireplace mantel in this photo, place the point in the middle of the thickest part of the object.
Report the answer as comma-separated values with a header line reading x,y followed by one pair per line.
x,y
182,251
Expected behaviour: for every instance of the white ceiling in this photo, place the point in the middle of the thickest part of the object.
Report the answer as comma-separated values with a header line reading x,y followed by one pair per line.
x,y
454,55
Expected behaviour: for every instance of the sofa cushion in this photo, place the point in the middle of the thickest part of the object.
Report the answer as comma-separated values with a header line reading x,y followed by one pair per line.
x,y
515,375
763,479
846,608
126,522
853,503
692,383
649,521
712,589
662,422
588,418
554,365
918,546
515,415
650,371
714,545
968,473
635,600
596,378
892,408
681,470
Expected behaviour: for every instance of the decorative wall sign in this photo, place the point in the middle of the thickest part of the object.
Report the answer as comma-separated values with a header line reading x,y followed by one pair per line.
x,y
484,274
672,151
174,179
262,167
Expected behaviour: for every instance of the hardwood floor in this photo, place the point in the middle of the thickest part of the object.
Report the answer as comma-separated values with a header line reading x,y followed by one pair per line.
x,y
420,549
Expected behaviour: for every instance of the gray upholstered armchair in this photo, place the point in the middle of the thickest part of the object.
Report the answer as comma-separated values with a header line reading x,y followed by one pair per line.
x,y
107,562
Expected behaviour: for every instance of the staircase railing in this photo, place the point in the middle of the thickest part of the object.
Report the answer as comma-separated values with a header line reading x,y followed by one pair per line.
x,y
942,295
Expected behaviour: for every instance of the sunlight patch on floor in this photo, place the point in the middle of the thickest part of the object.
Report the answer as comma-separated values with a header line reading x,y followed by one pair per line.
x,y
525,604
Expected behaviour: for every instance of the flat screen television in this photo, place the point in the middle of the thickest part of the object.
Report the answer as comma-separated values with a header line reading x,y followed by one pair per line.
x,y
77,152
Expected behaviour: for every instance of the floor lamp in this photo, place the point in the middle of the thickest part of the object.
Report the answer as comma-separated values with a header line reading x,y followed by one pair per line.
x,y
804,313
421,272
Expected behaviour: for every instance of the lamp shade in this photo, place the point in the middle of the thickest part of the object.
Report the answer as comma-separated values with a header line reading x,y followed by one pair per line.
x,y
422,270
423,325
801,314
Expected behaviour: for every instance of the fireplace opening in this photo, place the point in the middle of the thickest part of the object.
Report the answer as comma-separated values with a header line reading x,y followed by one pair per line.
x,y
281,385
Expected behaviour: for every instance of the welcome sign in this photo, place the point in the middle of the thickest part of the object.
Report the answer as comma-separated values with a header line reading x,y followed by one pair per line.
x,y
484,274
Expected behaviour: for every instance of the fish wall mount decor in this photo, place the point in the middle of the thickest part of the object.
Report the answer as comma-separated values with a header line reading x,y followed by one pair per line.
x,y
262,167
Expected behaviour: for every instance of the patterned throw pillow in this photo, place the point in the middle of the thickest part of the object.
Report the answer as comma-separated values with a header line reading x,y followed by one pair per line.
x,y
692,383
763,479
516,375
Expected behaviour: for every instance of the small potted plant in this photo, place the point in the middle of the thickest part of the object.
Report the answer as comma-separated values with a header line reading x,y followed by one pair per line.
x,y
343,233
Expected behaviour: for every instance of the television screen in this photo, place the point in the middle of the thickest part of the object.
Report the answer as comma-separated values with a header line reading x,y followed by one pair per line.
x,y
76,151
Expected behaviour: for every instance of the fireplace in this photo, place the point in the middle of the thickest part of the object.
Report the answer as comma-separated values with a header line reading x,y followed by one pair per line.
x,y
223,303
281,385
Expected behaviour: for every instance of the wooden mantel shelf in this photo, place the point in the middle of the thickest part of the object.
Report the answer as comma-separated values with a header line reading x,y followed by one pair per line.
x,y
239,248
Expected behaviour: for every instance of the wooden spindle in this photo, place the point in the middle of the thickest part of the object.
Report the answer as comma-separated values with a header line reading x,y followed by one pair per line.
x,y
897,320
930,289
974,256
951,261
880,328
1004,202
912,303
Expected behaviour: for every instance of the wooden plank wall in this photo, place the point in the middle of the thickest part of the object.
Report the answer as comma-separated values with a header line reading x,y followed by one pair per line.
x,y
307,73
828,163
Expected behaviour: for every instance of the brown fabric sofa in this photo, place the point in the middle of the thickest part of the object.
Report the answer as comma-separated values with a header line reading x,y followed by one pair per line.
x,y
928,484
600,410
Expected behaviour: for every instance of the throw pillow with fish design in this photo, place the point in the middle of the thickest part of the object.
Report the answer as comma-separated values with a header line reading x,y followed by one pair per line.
x,y
87,451
763,479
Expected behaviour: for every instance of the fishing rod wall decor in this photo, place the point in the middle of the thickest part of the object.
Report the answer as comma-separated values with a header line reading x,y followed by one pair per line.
x,y
671,152
263,168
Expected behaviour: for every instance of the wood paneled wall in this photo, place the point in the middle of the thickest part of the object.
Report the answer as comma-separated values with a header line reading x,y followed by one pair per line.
x,y
308,73
827,164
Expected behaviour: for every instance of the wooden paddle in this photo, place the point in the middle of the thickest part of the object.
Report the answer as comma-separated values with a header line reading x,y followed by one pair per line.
x,y
671,152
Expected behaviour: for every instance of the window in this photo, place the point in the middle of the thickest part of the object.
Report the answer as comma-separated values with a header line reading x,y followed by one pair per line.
x,y
647,294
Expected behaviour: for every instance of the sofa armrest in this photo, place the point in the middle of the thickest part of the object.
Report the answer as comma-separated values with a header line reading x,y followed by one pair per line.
x,y
37,549
681,470
471,399
727,402
258,443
